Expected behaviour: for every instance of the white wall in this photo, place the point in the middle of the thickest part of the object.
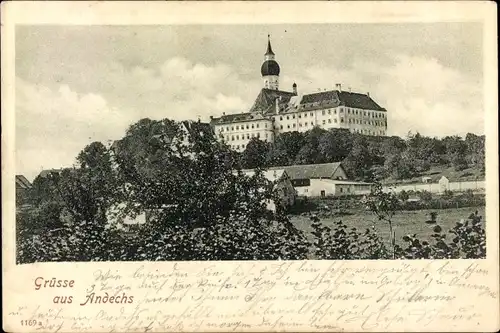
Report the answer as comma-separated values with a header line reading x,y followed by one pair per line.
x,y
331,188
436,188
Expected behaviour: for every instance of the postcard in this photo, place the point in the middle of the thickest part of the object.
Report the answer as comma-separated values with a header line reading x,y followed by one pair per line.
x,y
250,166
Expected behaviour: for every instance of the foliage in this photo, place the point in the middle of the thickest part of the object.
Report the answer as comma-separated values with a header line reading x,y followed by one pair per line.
x,y
367,157
340,243
201,206
255,154
384,205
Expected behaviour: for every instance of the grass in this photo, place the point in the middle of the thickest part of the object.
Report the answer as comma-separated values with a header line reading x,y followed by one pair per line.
x,y
404,222
436,172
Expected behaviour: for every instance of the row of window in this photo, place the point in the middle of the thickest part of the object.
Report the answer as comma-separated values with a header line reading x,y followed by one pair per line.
x,y
366,122
247,126
368,132
371,114
248,136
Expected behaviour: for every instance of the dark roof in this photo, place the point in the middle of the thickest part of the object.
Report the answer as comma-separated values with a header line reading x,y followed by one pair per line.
x,y
345,98
22,182
48,172
239,117
197,127
266,100
270,67
310,171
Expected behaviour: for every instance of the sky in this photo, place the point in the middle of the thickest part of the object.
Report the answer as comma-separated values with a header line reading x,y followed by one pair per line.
x,y
79,84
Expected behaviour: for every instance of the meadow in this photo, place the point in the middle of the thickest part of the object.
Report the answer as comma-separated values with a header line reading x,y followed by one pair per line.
x,y
404,222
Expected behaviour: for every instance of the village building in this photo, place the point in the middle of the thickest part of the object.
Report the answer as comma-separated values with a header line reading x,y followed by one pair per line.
x,y
322,180
277,111
23,186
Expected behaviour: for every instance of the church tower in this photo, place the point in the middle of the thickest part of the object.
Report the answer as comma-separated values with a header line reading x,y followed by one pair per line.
x,y
270,69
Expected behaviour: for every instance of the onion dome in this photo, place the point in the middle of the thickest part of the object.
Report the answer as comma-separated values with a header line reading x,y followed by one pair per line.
x,y
270,67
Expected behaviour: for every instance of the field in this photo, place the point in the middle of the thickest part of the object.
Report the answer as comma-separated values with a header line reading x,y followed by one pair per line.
x,y
405,222
469,174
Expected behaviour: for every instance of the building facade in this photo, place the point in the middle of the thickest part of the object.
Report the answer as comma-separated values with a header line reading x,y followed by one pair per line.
x,y
323,180
276,111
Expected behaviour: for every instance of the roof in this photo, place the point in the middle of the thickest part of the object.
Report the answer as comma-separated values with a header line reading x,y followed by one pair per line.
x,y
309,171
238,117
45,173
197,127
266,100
347,182
22,182
271,174
345,98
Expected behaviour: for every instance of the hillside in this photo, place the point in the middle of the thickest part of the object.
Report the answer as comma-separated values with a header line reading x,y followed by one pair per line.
x,y
387,159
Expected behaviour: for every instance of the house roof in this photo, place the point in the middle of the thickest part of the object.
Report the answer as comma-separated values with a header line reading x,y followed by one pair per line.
x,y
345,98
45,173
309,171
22,182
266,100
347,182
197,127
238,117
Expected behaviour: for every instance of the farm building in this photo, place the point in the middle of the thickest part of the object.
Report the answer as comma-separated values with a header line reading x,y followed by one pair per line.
x,y
23,186
321,180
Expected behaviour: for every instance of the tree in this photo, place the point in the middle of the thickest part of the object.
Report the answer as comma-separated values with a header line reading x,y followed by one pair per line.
x,y
309,153
359,161
255,154
285,148
475,150
456,150
335,144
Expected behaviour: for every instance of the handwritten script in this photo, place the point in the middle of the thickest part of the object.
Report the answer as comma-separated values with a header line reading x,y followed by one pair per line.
x,y
260,296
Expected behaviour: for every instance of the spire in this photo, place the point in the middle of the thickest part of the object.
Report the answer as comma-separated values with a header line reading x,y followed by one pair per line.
x,y
269,48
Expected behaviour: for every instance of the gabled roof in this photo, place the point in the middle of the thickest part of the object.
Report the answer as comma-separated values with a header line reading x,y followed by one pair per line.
x,y
266,100
45,173
310,171
197,127
239,117
22,182
345,98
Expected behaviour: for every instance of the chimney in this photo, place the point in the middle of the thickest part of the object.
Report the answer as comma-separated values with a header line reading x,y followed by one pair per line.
x,y
349,89
338,86
368,94
294,88
223,113
278,105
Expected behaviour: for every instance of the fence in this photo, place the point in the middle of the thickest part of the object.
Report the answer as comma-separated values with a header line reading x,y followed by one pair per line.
x,y
439,188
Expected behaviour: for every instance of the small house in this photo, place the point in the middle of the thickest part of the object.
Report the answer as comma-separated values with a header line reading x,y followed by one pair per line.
x,y
444,184
23,186
326,179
